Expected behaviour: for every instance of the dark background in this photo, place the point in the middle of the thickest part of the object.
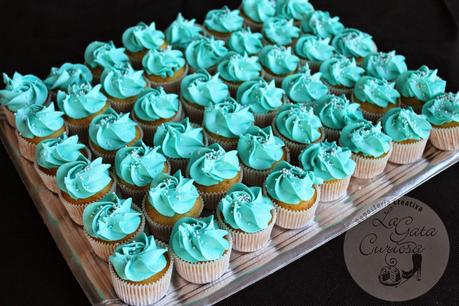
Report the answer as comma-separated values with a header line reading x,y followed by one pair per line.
x,y
36,35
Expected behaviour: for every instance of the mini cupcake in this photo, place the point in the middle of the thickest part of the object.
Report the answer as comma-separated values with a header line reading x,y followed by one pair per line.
x,y
110,222
110,132
263,98
21,91
245,42
222,22
353,43
280,31
236,69
165,68
332,164
54,152
122,85
335,112
205,53
35,123
67,75
255,12
181,32
200,249
226,121
419,86
81,183
295,195
304,87
135,168
199,90
248,216
153,107
313,50
259,151
409,132
80,104
375,96
214,171
371,148
141,271
139,39
388,66
443,113
298,127
341,74
322,25
169,199
103,55
294,9
278,62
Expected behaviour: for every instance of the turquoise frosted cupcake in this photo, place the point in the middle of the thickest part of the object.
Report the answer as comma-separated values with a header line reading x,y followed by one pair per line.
x,y
102,55
331,163
341,74
278,62
220,23
255,12
294,9
236,69
67,75
197,262
181,32
225,121
280,31
304,87
205,53
248,216
245,42
313,50
388,66
320,24
353,43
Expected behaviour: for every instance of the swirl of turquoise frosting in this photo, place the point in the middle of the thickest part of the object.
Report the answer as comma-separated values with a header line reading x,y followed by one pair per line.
x,y
442,109
123,81
354,43
81,100
172,195
404,124
376,91
261,96
205,52
341,71
83,178
246,208
388,66
212,165
38,121
290,184
245,42
66,75
154,103
181,32
304,87
258,10
179,139
203,89
198,240
142,36
138,165
336,111
280,31
297,122
239,68
365,138
22,90
322,25
138,260
112,131
54,152
111,218
422,84
223,20
104,54
328,161
279,60
259,149
164,63
314,48
228,118
294,9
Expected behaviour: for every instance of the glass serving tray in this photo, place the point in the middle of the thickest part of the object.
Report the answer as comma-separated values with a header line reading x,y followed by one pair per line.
x,y
365,198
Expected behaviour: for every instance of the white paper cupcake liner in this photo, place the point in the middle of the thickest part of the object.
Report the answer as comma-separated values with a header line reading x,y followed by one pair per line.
x,y
367,168
264,120
122,107
446,139
170,86
332,134
48,180
277,78
192,111
80,130
10,117
228,144
26,148
373,117
406,153
339,90
331,191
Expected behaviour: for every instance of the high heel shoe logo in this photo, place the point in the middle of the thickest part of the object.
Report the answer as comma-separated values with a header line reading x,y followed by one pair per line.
x,y
392,276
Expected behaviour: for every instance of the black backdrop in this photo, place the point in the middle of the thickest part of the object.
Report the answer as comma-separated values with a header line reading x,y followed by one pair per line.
x,y
36,35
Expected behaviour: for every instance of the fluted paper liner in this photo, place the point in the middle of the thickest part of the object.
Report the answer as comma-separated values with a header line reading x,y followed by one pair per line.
x,y
334,190
406,153
331,134
277,78
228,144
366,168
264,120
171,86
122,107
26,148
211,199
10,117
446,139
339,90
48,180
194,112
80,130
